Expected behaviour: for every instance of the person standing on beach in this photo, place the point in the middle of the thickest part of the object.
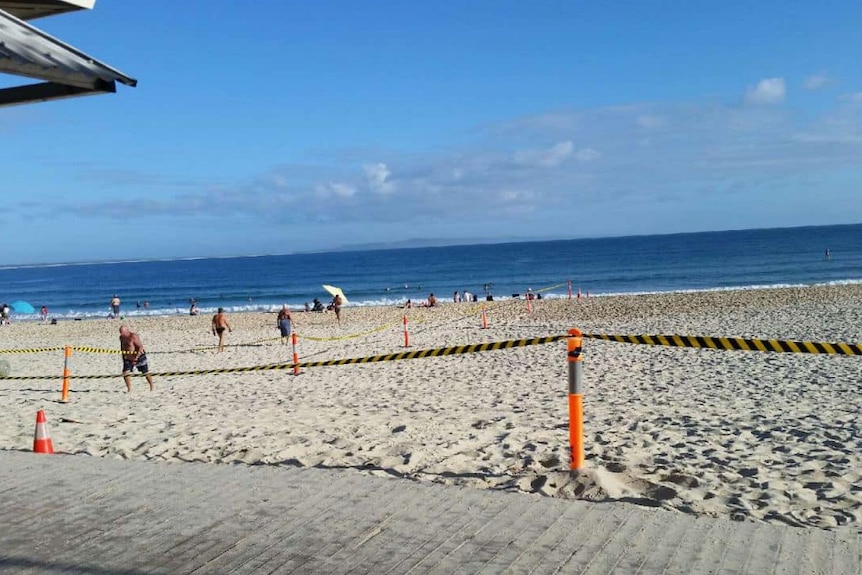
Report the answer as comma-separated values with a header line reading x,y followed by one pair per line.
x,y
336,307
134,356
115,306
284,320
220,324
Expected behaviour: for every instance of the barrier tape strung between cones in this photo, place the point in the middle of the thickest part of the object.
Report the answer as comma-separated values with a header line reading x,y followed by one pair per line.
x,y
701,342
98,350
693,341
90,349
549,288
308,337
735,343
348,336
61,348
31,350
418,354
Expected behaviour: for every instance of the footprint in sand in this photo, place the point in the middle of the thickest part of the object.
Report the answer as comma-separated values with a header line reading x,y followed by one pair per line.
x,y
683,480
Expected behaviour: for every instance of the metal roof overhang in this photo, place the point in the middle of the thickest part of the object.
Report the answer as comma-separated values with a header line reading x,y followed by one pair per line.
x,y
30,9
27,51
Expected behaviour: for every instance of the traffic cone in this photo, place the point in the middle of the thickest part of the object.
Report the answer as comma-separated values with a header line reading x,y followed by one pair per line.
x,y
42,443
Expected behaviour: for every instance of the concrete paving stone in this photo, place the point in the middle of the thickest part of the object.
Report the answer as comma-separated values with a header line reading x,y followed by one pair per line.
x,y
83,515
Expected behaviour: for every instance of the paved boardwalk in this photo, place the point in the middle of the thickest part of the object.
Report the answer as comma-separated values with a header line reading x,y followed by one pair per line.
x,y
83,515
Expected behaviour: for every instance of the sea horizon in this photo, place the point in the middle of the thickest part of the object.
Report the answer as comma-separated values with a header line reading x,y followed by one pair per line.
x,y
622,265
407,244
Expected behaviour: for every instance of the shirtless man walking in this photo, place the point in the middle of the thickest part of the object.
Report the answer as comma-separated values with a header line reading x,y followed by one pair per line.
x,y
336,306
220,324
134,356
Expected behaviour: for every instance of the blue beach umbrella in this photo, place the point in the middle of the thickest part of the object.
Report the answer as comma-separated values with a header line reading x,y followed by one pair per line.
x,y
21,306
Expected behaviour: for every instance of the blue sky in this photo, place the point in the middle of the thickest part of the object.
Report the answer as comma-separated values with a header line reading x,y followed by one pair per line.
x,y
303,126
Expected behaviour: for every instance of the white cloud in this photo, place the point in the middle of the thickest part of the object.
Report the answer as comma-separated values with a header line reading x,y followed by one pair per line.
x,y
517,195
768,91
816,81
648,121
343,190
701,145
378,178
336,189
548,158
587,155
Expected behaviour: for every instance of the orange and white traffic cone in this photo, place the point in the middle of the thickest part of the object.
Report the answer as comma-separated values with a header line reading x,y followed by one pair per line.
x,y
42,443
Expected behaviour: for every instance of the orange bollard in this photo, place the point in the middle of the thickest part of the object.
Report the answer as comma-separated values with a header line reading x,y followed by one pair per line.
x,y
570,289
41,442
64,396
484,319
576,399
295,356
406,333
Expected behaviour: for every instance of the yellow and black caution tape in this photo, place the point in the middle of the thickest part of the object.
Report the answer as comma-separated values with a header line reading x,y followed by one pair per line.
x,y
415,319
549,288
267,340
718,343
348,336
418,354
86,349
438,352
255,343
31,350
735,343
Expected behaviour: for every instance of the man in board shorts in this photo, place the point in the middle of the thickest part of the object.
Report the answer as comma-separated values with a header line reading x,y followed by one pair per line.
x,y
220,324
134,356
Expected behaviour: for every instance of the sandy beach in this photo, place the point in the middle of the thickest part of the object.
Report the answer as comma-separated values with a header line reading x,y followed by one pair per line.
x,y
745,435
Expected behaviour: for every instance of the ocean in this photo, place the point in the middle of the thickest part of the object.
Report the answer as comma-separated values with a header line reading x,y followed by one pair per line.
x,y
743,259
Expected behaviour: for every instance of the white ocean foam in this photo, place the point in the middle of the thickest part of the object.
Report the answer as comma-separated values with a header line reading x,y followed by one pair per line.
x,y
273,307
